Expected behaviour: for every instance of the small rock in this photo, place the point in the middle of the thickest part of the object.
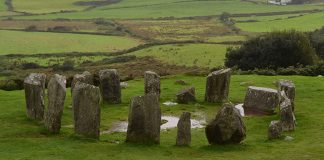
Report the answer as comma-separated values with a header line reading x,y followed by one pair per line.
x,y
169,103
184,130
248,83
288,138
241,109
123,85
186,96
180,82
274,130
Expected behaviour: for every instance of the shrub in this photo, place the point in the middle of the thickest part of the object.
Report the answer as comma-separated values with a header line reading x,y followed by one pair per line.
x,y
10,85
30,65
272,51
66,66
31,28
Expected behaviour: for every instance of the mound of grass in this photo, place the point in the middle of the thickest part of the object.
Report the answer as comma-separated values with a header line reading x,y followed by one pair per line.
x,y
37,42
201,55
24,139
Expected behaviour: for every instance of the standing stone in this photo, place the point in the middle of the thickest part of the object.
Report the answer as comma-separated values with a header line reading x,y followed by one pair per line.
x,y
261,101
56,95
110,86
186,96
34,86
287,116
227,128
144,120
217,86
289,88
85,77
152,83
184,130
86,100
274,130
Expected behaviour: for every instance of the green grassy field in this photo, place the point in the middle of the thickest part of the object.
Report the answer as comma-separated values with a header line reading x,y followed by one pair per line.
x,y
201,55
46,6
308,22
21,138
38,42
130,10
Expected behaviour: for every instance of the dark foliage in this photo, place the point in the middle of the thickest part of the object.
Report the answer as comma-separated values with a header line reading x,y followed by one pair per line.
x,y
30,65
317,39
68,65
272,51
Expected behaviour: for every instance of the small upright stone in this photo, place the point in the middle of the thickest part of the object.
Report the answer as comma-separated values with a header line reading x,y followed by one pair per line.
x,y
34,86
56,96
289,88
261,101
144,120
184,130
86,100
274,130
186,96
85,77
227,128
110,86
217,86
287,116
152,83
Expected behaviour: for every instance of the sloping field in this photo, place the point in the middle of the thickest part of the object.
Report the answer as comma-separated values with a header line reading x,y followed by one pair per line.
x,y
308,22
127,10
17,42
201,55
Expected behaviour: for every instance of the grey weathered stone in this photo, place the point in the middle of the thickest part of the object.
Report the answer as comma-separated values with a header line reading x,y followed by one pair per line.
x,y
227,128
110,86
274,130
217,86
180,82
287,116
86,100
186,96
261,101
184,130
289,88
152,83
144,120
85,77
56,95
34,86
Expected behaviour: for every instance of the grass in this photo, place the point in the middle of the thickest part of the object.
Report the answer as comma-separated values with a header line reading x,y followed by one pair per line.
x,y
129,9
24,139
41,42
201,55
308,22
46,6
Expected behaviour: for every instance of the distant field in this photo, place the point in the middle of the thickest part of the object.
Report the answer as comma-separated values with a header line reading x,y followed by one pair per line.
x,y
3,7
128,9
306,22
46,6
201,55
16,42
177,30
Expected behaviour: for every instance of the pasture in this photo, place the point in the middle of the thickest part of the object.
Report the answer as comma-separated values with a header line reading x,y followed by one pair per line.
x,y
41,42
25,139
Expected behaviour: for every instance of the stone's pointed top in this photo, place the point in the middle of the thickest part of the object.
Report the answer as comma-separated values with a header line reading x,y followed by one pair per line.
x,y
61,80
263,89
218,72
35,79
151,72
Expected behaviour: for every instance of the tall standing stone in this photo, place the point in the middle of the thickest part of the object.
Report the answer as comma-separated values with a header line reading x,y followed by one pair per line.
x,y
184,130
152,83
287,116
110,86
85,77
227,128
144,120
86,100
56,91
261,101
34,86
289,88
217,86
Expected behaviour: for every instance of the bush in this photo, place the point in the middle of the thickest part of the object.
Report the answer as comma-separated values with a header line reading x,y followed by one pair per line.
x,y
31,28
272,51
66,66
30,65
10,85
60,29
